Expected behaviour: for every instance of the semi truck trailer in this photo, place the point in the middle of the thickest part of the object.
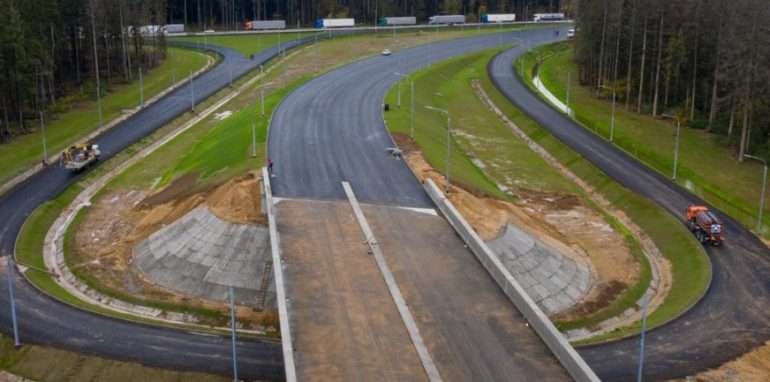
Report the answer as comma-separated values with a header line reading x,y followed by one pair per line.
x,y
447,19
335,23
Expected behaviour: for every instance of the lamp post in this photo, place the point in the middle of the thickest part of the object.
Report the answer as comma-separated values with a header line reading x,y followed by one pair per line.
x,y
645,303
448,142
612,120
16,341
234,339
676,142
764,188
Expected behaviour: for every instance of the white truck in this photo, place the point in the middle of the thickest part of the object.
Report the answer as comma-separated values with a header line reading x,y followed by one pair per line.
x,y
499,18
447,19
264,24
391,21
173,28
335,23
548,17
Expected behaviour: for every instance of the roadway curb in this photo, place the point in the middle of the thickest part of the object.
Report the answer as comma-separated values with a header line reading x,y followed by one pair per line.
x,y
287,343
559,346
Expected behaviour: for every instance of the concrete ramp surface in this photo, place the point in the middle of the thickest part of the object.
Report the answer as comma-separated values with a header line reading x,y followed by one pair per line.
x,y
346,326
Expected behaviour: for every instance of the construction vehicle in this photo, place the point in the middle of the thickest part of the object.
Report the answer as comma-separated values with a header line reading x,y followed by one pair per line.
x,y
705,225
78,157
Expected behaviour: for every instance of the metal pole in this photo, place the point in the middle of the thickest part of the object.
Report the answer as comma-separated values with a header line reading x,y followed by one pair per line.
x,y
253,139
231,77
141,88
569,83
45,144
448,150
280,50
676,149
16,341
192,93
612,122
399,92
232,325
262,100
641,341
96,65
411,99
764,188
173,76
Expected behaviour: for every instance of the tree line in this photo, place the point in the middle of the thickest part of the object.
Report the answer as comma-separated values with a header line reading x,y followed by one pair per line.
x,y
704,61
50,51
204,14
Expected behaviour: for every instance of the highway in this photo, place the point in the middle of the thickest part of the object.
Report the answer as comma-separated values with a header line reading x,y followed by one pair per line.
x,y
46,321
312,159
731,319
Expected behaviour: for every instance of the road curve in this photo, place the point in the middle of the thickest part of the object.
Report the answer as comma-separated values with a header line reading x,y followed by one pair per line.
x,y
48,322
731,319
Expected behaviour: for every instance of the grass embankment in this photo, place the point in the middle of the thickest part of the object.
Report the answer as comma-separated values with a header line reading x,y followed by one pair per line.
x,y
45,364
79,115
707,167
246,44
691,269
526,169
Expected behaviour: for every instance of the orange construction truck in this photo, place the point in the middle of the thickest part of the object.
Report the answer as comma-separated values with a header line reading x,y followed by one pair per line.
x,y
705,225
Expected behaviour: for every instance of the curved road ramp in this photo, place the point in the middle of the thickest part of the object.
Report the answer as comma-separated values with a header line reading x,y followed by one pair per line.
x,y
390,289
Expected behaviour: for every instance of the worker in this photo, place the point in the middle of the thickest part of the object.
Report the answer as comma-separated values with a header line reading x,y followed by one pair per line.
x,y
270,166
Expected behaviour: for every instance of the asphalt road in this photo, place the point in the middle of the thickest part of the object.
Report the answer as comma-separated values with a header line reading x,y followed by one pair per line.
x,y
331,129
46,321
731,319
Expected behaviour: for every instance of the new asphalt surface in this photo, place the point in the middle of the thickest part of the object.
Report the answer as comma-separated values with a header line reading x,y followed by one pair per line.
x,y
731,319
46,321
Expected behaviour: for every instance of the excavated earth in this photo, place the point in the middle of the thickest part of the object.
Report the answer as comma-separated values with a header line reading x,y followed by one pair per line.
x,y
181,246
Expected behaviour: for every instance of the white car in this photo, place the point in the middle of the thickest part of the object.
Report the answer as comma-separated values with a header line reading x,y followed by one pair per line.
x,y
386,52
571,33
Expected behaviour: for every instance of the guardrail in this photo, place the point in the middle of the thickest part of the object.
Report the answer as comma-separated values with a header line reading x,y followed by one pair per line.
x,y
564,352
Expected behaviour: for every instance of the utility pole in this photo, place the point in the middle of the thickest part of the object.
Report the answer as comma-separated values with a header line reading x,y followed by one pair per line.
x,y
232,325
96,63
192,94
411,112
253,139
9,263
141,89
45,144
448,142
762,195
641,340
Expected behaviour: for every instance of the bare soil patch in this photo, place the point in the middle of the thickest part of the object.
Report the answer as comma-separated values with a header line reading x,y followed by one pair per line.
x,y
103,242
562,221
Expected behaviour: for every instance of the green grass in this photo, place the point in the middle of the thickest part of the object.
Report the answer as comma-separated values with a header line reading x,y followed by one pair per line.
x,y
47,364
78,115
246,44
509,163
707,167
691,269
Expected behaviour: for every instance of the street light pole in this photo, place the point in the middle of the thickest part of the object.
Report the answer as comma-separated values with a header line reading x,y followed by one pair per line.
x,y
232,326
141,89
641,340
764,189
676,149
448,142
16,341
45,144
569,83
612,119
411,112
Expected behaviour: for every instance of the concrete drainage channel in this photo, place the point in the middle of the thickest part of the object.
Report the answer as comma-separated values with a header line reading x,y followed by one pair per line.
x,y
564,352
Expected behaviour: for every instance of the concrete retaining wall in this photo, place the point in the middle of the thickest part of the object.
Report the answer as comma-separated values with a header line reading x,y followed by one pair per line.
x,y
280,284
564,352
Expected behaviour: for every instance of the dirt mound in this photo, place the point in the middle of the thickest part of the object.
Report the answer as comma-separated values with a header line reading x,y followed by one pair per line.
x,y
238,201
561,221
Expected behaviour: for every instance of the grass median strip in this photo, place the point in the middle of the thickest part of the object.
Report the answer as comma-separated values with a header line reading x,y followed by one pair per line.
x,y
707,166
691,269
77,115
447,85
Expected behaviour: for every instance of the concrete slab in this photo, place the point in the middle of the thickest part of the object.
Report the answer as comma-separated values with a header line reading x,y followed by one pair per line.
x,y
202,256
556,282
